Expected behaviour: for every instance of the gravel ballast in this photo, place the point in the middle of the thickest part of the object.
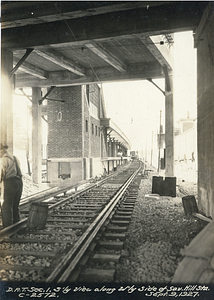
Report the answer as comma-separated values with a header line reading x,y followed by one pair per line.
x,y
158,232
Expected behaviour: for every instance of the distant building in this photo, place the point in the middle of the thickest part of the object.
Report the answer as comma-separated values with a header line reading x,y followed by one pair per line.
x,y
185,143
184,125
186,140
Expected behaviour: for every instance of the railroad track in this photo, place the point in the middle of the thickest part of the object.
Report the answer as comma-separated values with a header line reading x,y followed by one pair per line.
x,y
79,228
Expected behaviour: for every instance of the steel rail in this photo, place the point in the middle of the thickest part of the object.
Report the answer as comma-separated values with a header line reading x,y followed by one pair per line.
x,y
61,273
54,191
115,192
46,194
101,221
12,229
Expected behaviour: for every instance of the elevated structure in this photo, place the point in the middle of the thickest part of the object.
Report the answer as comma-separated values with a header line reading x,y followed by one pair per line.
x,y
56,44
66,43
115,133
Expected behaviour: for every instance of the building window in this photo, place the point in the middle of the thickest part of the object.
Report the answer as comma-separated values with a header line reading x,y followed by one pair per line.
x,y
94,111
87,92
86,125
96,130
99,131
92,128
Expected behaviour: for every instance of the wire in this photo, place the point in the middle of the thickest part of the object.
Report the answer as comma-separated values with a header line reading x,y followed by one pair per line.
x,y
81,47
92,69
70,29
167,37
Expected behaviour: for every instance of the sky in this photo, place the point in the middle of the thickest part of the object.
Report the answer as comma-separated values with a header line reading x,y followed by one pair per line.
x,y
136,106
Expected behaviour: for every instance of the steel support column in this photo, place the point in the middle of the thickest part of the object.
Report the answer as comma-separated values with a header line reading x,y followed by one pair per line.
x,y
105,144
7,99
36,136
169,124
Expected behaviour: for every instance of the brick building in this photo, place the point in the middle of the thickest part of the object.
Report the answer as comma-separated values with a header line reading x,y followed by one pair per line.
x,y
77,136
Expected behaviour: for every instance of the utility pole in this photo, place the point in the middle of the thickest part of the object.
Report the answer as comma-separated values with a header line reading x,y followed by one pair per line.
x,y
152,148
146,151
159,144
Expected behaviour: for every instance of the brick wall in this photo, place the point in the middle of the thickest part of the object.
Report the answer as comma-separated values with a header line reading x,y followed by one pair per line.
x,y
65,136
94,97
205,68
86,118
73,133
95,137
94,94
91,96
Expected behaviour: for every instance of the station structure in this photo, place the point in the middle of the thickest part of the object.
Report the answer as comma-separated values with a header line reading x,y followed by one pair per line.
x,y
63,50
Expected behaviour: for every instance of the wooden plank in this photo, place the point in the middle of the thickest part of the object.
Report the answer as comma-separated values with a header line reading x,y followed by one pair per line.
x,y
72,226
114,236
124,213
125,209
43,194
22,240
207,277
92,246
203,244
95,197
86,205
23,268
66,220
62,61
116,228
75,210
122,218
47,12
74,276
51,232
161,52
111,245
4,253
97,275
190,270
108,57
84,260
120,223
171,18
128,206
72,216
200,216
102,258
57,78
31,69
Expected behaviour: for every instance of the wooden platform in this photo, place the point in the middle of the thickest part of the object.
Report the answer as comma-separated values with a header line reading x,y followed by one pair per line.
x,y
197,265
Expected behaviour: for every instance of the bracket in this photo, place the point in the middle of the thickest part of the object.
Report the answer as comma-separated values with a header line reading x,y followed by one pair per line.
x,y
24,57
49,91
150,80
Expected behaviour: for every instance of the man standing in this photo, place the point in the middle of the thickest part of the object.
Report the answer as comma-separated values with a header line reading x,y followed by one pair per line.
x,y
11,178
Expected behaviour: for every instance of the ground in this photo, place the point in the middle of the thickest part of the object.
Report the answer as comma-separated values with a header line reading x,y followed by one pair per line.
x,y
157,234
29,187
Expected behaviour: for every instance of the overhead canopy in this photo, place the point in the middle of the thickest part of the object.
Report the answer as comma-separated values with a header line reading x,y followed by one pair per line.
x,y
115,132
61,43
